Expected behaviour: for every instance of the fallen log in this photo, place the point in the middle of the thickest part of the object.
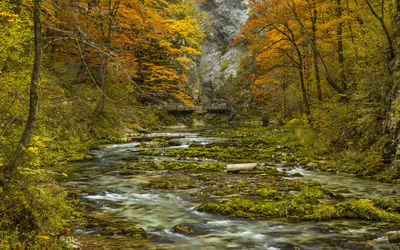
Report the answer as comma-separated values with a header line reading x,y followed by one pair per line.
x,y
240,167
150,137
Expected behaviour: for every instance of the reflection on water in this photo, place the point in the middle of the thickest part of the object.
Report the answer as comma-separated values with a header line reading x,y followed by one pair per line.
x,y
119,196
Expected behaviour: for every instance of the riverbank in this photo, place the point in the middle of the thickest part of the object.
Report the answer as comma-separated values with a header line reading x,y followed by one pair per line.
x,y
56,144
299,146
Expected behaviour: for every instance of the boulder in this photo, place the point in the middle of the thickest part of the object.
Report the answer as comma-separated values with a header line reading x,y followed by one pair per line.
x,y
191,229
394,236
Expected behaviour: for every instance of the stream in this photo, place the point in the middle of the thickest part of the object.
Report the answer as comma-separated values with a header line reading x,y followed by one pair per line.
x,y
119,195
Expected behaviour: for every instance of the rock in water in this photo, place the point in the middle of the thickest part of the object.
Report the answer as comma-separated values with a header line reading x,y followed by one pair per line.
x,y
133,231
191,229
394,237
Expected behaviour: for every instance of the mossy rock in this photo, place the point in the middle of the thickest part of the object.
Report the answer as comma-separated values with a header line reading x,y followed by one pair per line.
x,y
109,231
311,203
269,193
191,229
214,167
134,231
131,158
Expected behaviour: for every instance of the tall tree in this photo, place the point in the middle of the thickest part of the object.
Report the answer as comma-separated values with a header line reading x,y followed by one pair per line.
x,y
391,149
275,41
314,19
328,74
339,34
34,93
106,36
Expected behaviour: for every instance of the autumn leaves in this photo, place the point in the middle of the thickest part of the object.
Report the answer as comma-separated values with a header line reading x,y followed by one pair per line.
x,y
150,44
317,45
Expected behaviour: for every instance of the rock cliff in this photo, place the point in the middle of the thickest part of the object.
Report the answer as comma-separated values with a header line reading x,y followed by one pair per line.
x,y
219,61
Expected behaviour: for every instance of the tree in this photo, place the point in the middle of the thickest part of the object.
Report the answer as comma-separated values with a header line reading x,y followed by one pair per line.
x,y
275,40
391,149
106,37
34,94
152,44
328,74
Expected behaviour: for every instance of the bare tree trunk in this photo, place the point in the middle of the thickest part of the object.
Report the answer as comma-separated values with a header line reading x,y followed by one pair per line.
x,y
339,34
34,95
303,89
314,39
102,96
328,75
302,85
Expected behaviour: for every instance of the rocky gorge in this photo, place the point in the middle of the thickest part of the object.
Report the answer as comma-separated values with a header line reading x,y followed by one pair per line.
x,y
219,61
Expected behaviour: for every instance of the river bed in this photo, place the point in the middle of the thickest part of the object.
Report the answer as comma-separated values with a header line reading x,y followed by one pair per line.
x,y
117,195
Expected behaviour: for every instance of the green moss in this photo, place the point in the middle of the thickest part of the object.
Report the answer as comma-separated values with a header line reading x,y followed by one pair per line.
x,y
240,185
224,66
387,204
311,203
269,193
215,167
216,153
215,208
134,232
188,186
164,185
298,144
308,195
109,231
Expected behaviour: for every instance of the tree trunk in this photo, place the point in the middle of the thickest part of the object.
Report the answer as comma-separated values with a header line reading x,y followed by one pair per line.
x,y
314,39
303,90
102,96
327,72
302,85
34,95
339,34
391,149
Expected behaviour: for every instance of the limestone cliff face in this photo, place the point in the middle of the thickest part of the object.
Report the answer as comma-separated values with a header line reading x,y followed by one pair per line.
x,y
219,61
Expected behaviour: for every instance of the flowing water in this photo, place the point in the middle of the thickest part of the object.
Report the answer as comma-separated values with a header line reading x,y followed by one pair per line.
x,y
118,195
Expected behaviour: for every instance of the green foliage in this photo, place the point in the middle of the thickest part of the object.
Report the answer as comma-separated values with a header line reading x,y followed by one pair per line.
x,y
33,210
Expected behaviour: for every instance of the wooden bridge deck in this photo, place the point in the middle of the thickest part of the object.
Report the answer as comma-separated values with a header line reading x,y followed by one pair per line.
x,y
189,109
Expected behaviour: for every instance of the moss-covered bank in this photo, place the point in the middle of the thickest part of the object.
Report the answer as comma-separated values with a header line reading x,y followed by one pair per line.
x,y
288,147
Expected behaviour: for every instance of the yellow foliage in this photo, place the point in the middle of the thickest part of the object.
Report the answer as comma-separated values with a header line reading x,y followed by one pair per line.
x,y
34,150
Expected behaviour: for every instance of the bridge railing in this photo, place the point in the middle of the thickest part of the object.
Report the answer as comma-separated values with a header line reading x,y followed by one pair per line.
x,y
204,108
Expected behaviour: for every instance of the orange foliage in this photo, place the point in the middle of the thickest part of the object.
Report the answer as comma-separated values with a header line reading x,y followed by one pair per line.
x,y
153,43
